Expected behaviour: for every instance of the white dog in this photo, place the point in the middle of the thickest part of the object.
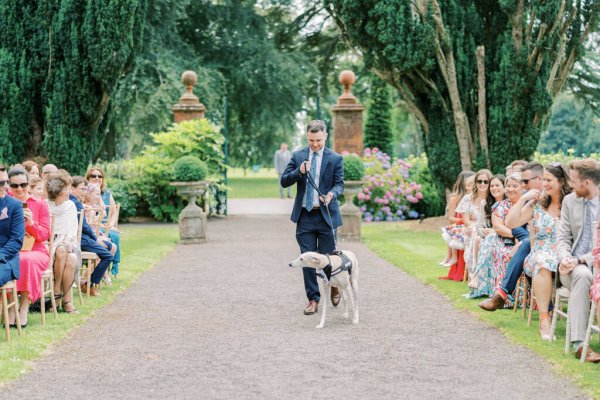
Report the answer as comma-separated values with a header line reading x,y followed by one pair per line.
x,y
339,277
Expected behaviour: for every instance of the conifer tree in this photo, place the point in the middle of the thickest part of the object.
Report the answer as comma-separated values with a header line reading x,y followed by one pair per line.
x,y
378,132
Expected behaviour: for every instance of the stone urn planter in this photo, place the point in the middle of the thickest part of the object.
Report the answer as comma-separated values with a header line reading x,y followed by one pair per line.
x,y
192,219
351,215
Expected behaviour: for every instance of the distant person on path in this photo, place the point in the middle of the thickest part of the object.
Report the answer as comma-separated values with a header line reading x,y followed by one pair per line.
x,y
281,160
314,226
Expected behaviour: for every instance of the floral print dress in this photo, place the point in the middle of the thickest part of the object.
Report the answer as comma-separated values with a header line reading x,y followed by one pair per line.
x,y
595,289
543,249
493,255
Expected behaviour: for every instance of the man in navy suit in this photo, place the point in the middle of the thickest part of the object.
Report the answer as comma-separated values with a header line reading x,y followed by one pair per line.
x,y
12,231
314,225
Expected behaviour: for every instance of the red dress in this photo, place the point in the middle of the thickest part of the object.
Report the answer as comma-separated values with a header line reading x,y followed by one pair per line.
x,y
33,263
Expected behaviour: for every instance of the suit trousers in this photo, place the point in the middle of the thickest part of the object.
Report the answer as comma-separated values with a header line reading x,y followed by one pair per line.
x,y
313,234
578,282
105,258
514,268
6,274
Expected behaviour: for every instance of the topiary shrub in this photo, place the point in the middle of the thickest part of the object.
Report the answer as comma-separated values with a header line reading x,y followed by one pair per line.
x,y
354,169
189,169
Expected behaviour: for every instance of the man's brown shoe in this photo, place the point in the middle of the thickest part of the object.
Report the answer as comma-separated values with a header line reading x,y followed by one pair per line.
x,y
336,295
493,303
93,290
313,307
591,356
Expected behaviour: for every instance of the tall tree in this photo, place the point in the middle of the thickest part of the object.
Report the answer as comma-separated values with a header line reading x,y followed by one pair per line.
x,y
479,76
378,131
60,63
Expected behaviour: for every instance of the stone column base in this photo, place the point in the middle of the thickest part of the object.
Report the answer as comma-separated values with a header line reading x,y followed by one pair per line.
x,y
350,229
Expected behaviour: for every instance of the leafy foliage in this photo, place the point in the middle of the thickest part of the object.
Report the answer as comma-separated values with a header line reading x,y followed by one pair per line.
x,y
426,50
59,66
151,171
354,169
378,132
572,127
189,169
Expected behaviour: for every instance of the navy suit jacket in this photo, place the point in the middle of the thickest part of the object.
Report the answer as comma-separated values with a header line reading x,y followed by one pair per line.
x,y
87,233
331,179
12,231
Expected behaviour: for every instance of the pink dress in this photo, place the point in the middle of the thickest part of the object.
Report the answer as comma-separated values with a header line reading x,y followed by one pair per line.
x,y
35,262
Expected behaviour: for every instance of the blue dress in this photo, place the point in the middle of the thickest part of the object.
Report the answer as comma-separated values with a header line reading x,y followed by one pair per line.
x,y
12,231
113,235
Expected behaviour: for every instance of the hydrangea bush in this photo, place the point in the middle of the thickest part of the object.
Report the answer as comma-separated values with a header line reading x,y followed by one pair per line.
x,y
389,194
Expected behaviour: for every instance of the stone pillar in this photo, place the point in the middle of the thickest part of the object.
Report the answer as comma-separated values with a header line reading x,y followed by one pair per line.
x,y
347,119
189,107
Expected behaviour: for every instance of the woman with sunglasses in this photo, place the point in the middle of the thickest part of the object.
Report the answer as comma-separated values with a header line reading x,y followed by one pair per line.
x,y
95,175
474,218
542,262
34,261
483,280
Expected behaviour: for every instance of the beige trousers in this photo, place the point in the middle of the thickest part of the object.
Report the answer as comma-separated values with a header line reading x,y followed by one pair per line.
x,y
578,282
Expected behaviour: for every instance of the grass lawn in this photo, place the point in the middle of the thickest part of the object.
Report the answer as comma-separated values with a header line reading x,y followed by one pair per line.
x,y
255,187
142,247
418,252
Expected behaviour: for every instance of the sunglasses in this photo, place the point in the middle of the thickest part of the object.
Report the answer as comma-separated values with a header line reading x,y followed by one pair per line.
x,y
96,176
526,181
21,185
482,182
4,183
2,167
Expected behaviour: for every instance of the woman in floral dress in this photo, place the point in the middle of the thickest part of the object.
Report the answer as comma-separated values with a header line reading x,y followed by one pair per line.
x,y
595,289
482,282
544,210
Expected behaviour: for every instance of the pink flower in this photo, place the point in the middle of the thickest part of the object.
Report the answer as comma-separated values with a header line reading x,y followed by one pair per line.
x,y
419,195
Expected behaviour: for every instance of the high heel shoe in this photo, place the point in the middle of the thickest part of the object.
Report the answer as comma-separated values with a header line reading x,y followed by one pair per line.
x,y
544,327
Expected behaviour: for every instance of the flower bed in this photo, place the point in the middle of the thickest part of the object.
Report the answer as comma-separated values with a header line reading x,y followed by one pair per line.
x,y
389,194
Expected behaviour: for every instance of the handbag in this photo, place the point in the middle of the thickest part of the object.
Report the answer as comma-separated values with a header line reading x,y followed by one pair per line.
x,y
28,242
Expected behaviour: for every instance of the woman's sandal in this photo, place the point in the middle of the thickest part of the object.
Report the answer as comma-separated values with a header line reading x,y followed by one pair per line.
x,y
67,307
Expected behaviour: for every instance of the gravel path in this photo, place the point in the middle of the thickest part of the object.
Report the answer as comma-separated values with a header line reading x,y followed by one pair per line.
x,y
223,320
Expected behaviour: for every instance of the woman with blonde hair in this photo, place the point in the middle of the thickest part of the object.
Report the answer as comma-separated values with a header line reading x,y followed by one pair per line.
x,y
95,175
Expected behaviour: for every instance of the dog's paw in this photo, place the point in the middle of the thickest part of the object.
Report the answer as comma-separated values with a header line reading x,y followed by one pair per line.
x,y
320,326
355,321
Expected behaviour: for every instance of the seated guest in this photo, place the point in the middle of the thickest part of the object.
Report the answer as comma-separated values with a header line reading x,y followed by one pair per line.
x,y
94,205
95,175
66,247
482,282
36,188
452,233
32,168
34,261
531,178
542,262
48,169
89,241
473,218
12,230
595,289
574,246
515,167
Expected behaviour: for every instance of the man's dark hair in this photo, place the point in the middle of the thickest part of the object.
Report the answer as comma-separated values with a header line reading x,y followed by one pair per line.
x,y
78,180
533,166
315,126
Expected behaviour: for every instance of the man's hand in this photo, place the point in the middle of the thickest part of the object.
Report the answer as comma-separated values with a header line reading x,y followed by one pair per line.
x,y
305,166
567,265
532,194
327,198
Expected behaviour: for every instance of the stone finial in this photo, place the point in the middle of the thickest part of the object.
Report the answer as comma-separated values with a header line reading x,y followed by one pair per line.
x,y
347,79
188,107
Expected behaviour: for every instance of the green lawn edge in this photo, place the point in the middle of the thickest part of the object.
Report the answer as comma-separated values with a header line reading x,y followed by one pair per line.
x,y
418,252
142,246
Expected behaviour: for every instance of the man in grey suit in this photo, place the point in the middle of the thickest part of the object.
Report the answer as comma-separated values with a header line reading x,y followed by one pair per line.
x,y
282,158
574,246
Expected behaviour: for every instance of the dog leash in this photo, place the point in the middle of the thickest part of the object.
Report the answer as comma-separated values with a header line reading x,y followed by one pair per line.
x,y
314,185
